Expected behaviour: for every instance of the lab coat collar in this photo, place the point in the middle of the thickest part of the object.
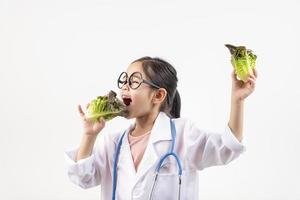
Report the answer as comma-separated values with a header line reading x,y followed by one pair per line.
x,y
161,129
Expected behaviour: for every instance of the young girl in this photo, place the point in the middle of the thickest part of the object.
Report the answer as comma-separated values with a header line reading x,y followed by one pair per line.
x,y
158,156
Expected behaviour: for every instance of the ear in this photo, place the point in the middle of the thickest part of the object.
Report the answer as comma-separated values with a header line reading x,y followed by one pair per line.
x,y
159,95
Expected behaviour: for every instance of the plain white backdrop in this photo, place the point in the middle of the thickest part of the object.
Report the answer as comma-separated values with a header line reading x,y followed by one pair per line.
x,y
57,54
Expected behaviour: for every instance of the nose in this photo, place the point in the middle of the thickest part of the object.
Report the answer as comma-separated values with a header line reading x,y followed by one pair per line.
x,y
125,86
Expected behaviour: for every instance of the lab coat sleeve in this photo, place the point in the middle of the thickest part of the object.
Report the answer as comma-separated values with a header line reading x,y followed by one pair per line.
x,y
86,172
206,149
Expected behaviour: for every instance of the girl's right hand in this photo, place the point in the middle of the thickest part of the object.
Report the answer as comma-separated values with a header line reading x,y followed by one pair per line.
x,y
90,127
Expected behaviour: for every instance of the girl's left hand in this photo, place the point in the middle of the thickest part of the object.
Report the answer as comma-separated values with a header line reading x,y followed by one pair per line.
x,y
240,89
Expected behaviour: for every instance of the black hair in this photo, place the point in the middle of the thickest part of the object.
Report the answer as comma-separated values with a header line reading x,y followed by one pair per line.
x,y
163,74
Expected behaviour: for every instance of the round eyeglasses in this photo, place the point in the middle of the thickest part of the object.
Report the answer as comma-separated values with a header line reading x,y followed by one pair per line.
x,y
135,80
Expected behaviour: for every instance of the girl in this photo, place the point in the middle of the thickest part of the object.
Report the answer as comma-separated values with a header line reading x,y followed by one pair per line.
x,y
130,165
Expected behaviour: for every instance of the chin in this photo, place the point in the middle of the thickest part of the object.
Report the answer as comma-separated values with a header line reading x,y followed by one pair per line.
x,y
129,116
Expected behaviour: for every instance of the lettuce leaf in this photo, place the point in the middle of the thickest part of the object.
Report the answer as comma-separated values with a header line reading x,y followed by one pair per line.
x,y
243,61
107,106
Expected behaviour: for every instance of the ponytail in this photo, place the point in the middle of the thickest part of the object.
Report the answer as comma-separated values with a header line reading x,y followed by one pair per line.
x,y
176,106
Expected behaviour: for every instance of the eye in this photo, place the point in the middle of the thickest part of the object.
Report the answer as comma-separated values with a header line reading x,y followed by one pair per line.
x,y
135,79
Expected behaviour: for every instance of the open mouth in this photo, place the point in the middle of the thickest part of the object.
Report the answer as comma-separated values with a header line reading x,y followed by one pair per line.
x,y
127,101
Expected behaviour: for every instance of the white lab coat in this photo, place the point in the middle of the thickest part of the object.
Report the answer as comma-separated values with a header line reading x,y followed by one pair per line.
x,y
196,148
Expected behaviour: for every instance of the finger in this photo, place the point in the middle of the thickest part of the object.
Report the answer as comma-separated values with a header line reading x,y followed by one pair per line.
x,y
252,76
251,82
101,120
80,111
255,72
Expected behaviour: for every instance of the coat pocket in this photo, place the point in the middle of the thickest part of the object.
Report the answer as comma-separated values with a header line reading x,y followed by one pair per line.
x,y
167,186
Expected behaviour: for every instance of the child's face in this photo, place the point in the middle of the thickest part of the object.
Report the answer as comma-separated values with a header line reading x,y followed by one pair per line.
x,y
141,98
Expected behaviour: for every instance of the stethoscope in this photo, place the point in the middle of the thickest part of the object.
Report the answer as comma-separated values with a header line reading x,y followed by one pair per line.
x,y
159,165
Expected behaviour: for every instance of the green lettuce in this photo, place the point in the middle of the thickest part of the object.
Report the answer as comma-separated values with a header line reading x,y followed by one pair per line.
x,y
243,61
107,106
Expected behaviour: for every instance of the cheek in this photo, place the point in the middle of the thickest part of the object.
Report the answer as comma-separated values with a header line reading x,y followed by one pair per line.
x,y
143,100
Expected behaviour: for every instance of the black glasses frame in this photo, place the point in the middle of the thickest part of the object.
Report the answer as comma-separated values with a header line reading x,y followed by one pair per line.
x,y
122,83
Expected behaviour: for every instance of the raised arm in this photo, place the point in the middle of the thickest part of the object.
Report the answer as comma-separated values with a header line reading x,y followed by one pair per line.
x,y
240,91
204,148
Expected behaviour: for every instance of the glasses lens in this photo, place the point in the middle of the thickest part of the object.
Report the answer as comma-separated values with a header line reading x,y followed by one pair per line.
x,y
122,79
135,80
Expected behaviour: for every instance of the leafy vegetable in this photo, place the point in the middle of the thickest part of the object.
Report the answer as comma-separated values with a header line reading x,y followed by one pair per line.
x,y
243,61
108,107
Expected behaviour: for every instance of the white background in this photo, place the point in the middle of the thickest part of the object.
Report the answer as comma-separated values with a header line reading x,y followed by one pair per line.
x,y
60,53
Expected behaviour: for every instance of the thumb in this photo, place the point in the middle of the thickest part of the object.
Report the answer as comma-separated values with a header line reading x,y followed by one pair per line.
x,y
233,76
80,111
